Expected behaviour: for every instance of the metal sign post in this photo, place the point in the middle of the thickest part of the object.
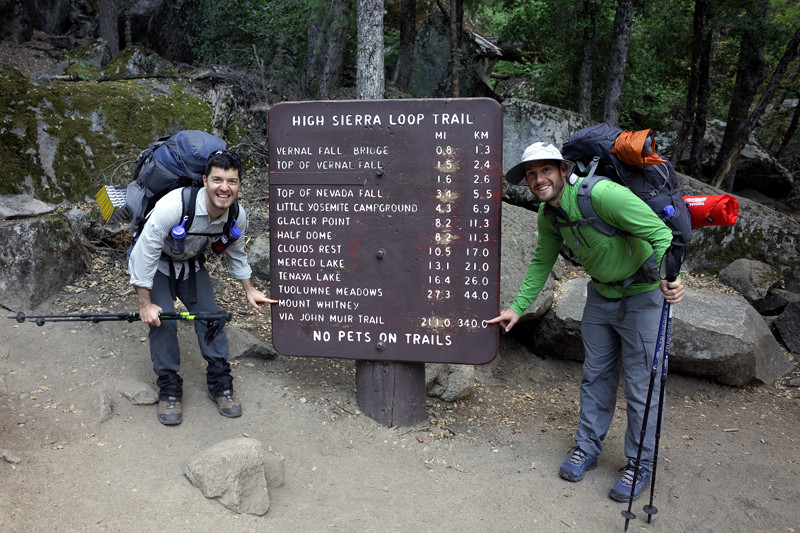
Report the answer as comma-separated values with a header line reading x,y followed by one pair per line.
x,y
385,232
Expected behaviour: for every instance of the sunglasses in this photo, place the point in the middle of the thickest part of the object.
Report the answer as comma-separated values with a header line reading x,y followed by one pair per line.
x,y
229,153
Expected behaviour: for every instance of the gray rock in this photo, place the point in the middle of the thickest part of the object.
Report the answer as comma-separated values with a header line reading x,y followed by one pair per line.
x,y
775,301
130,62
558,332
105,405
9,457
96,54
715,336
722,337
449,382
235,473
788,326
242,343
22,206
752,279
137,392
39,257
258,256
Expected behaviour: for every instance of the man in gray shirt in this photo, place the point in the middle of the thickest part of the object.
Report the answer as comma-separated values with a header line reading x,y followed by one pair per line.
x,y
160,271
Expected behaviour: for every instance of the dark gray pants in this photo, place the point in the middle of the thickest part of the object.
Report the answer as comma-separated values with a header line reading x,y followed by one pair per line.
x,y
164,349
616,335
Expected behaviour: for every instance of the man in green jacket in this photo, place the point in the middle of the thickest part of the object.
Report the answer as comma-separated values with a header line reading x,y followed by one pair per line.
x,y
623,306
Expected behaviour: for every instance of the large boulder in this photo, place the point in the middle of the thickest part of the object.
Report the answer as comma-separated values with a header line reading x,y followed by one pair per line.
x,y
787,325
752,279
714,335
39,256
524,123
760,234
61,138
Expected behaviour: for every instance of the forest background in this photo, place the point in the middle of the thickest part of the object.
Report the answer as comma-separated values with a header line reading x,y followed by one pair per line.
x,y
671,66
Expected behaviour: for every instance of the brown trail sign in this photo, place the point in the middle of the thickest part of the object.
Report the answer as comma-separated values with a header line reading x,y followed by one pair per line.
x,y
385,229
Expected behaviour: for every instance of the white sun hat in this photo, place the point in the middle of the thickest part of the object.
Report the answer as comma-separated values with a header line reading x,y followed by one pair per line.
x,y
535,152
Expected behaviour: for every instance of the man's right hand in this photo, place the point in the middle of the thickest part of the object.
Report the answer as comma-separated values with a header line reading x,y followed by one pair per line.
x,y
148,311
150,314
507,318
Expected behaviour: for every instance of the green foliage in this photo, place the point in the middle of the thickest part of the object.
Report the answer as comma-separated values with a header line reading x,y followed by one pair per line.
x,y
231,32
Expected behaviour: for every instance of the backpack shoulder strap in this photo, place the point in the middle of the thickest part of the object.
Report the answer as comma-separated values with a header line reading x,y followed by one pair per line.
x,y
233,215
189,201
584,199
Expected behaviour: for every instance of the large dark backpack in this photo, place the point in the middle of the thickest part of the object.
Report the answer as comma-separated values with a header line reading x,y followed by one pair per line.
x,y
658,185
170,163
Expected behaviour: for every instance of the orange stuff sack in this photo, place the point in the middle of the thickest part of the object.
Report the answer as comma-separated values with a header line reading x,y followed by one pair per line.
x,y
637,148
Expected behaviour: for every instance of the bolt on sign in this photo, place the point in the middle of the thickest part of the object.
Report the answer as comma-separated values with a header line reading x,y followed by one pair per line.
x,y
385,229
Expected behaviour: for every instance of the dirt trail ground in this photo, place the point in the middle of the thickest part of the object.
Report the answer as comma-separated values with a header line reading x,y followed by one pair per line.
x,y
488,463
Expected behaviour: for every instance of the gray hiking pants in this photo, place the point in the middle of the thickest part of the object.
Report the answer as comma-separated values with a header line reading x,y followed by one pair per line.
x,y
164,349
619,333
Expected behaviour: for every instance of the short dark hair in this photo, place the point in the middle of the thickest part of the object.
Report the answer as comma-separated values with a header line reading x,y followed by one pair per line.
x,y
224,159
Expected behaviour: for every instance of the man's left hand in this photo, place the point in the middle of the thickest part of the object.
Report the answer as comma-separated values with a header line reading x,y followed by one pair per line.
x,y
672,291
258,300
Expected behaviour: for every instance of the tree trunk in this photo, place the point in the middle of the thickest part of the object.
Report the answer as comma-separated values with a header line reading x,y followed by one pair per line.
x,y
727,169
327,36
751,70
701,110
700,10
408,35
791,84
126,13
587,58
369,58
107,13
456,21
790,131
618,56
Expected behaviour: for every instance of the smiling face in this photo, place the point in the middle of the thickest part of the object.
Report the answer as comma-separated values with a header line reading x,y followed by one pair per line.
x,y
546,180
222,189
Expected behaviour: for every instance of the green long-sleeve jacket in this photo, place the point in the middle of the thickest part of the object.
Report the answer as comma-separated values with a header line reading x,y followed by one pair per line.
x,y
608,260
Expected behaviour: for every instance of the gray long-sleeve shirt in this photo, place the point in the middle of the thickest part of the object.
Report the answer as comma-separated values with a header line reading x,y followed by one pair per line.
x,y
147,254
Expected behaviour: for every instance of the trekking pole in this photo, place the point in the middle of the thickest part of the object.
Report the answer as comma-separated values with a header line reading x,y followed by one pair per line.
x,y
214,321
129,317
652,509
629,515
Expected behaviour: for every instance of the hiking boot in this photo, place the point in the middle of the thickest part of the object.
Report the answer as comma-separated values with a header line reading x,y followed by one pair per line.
x,y
580,462
169,411
621,491
227,404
